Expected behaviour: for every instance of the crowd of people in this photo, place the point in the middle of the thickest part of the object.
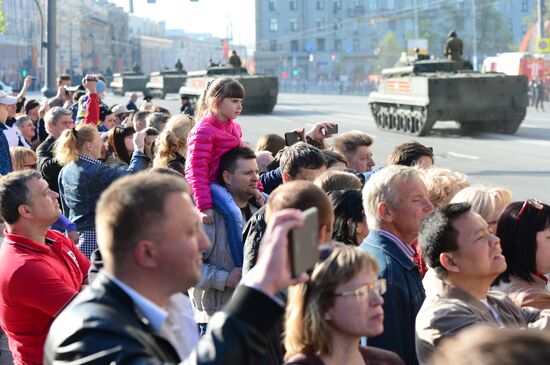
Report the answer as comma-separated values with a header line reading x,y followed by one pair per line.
x,y
136,236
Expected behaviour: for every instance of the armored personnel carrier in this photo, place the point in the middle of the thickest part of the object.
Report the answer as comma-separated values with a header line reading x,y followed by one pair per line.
x,y
261,91
128,81
410,99
164,82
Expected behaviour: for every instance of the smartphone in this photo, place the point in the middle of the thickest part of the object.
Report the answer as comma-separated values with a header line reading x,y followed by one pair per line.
x,y
304,243
328,131
292,138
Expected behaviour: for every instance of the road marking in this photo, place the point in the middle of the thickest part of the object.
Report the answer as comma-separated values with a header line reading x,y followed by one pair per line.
x,y
461,155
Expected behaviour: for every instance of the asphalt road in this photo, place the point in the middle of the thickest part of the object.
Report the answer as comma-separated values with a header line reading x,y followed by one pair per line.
x,y
520,162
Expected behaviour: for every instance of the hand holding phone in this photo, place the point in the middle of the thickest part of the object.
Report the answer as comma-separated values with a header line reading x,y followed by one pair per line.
x,y
304,243
292,138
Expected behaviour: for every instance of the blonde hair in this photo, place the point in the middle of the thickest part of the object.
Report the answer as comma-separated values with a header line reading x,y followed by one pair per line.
x,y
502,196
70,143
18,156
479,197
443,184
172,138
219,89
306,329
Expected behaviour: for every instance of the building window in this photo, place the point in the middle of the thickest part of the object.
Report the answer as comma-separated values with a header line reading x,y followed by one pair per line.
x,y
356,45
337,45
392,25
320,44
294,46
273,46
320,24
337,6
511,24
293,25
373,4
357,3
390,4
293,4
320,4
524,5
273,25
272,4
338,24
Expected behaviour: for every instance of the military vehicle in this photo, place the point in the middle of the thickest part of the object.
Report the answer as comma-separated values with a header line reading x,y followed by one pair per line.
x,y
164,82
261,91
410,99
128,81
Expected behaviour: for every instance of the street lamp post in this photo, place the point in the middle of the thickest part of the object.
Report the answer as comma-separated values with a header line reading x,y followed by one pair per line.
x,y
49,88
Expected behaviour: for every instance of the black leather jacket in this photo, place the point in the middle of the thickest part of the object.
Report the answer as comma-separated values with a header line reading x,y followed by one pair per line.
x,y
102,326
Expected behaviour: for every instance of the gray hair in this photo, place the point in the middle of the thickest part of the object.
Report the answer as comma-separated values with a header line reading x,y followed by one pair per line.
x,y
479,197
381,188
157,121
53,115
20,120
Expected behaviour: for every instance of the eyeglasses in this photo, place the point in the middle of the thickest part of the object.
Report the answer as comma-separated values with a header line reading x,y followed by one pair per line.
x,y
529,202
367,291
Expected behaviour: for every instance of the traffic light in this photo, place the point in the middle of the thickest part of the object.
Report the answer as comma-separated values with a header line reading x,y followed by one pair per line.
x,y
295,72
24,73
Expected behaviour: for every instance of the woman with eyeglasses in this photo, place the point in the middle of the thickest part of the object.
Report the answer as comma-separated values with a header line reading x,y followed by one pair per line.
x,y
327,316
23,158
524,232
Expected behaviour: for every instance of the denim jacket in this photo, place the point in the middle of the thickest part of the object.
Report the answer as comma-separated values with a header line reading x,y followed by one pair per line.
x,y
82,182
403,298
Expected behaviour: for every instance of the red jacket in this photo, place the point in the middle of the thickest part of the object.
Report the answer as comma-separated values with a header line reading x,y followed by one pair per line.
x,y
209,139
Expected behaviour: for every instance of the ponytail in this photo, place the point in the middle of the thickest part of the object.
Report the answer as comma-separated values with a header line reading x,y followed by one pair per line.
x,y
172,138
70,143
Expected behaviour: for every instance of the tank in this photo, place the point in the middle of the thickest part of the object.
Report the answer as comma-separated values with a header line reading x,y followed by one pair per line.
x,y
410,99
260,91
165,82
128,81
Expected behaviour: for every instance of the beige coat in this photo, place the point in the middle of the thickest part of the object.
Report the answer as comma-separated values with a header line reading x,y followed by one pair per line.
x,y
451,309
526,294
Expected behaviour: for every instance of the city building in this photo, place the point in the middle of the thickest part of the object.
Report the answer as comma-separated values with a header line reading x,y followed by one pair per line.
x,y
327,44
196,50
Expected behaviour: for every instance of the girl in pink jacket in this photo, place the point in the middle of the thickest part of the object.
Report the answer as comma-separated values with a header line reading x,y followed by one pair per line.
x,y
215,134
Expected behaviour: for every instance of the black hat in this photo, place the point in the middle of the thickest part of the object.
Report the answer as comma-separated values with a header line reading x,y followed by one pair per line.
x,y
148,97
31,104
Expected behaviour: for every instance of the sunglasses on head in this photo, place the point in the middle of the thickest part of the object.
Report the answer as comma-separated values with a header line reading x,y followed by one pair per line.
x,y
529,202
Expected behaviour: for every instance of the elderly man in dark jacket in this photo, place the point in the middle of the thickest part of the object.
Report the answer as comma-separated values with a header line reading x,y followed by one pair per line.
x,y
57,120
152,244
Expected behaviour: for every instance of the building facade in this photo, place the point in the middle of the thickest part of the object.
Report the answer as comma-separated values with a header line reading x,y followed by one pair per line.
x,y
328,44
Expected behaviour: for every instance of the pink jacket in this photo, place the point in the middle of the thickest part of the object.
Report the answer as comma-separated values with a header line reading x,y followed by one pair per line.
x,y
209,139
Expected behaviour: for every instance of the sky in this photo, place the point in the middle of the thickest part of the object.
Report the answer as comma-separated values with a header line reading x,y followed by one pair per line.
x,y
221,18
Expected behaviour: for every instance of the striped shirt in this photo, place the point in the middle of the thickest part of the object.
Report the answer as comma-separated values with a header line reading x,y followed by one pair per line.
x,y
407,250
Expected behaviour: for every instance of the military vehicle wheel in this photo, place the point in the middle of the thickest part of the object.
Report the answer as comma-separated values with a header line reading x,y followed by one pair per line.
x,y
407,123
510,126
400,123
385,120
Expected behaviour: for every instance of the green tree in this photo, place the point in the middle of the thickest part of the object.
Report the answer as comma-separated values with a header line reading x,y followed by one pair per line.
x,y
388,53
531,19
2,23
